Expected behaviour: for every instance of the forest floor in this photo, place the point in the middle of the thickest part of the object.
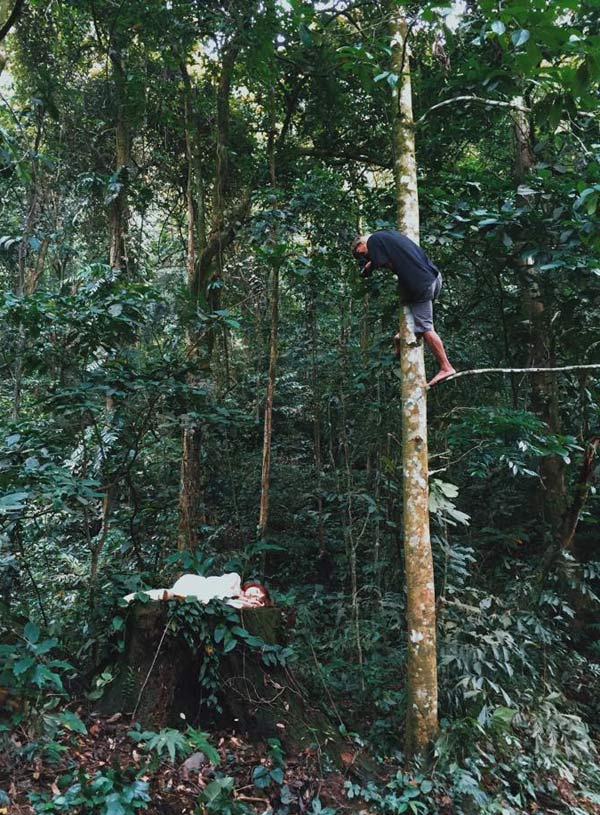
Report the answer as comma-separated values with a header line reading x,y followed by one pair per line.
x,y
174,787
311,783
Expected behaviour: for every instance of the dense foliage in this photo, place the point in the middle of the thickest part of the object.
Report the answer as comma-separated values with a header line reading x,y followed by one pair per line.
x,y
171,172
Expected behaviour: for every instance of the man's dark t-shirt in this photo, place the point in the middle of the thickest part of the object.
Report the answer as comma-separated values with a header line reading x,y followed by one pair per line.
x,y
414,270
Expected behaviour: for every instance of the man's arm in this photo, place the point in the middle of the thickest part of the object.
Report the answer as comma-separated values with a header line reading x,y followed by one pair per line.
x,y
366,268
377,253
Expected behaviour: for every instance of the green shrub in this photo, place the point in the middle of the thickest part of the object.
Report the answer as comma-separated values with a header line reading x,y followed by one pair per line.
x,y
114,792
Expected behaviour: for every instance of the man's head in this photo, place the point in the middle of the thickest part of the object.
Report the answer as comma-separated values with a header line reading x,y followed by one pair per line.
x,y
359,246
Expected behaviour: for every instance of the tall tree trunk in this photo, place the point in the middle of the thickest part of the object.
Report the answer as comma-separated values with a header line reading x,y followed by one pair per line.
x,y
118,220
266,458
118,216
191,494
202,255
351,538
325,569
26,280
265,480
421,715
544,399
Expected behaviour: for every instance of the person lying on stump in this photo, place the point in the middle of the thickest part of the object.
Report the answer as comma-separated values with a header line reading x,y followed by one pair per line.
x,y
227,587
419,284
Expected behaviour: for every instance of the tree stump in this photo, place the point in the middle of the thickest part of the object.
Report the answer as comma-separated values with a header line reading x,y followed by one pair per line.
x,y
157,678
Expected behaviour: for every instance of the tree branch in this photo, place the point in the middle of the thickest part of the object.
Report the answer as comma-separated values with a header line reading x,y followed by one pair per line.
x,y
12,18
473,371
492,102
220,240
573,513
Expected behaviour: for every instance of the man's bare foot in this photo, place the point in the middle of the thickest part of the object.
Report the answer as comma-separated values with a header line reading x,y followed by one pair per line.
x,y
442,374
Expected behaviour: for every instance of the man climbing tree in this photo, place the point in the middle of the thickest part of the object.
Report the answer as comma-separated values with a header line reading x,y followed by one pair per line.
x,y
419,284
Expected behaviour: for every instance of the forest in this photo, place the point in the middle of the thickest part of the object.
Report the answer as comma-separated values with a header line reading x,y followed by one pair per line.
x,y
251,563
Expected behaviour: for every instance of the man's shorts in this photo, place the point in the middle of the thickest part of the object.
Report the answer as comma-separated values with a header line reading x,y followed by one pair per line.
x,y
422,311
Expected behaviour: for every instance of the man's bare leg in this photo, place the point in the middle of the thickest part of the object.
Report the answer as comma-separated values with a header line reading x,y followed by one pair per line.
x,y
437,346
435,343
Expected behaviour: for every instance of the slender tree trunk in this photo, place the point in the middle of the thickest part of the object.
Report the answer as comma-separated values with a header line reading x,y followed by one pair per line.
x,y
118,221
35,273
271,137
118,216
260,343
325,564
325,568
266,458
25,277
96,545
265,479
544,396
507,345
377,490
222,154
191,494
582,489
421,716
202,255
351,539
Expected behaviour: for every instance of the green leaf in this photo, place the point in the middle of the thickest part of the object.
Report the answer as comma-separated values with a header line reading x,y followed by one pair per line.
x,y
118,623
13,500
254,642
168,738
45,646
502,717
498,27
23,665
592,204
585,195
305,34
72,722
286,795
43,676
229,646
31,632
213,791
113,805
520,37
277,775
260,777
200,741
524,189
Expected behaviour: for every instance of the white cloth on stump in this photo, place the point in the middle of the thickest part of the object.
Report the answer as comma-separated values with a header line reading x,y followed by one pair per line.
x,y
219,587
